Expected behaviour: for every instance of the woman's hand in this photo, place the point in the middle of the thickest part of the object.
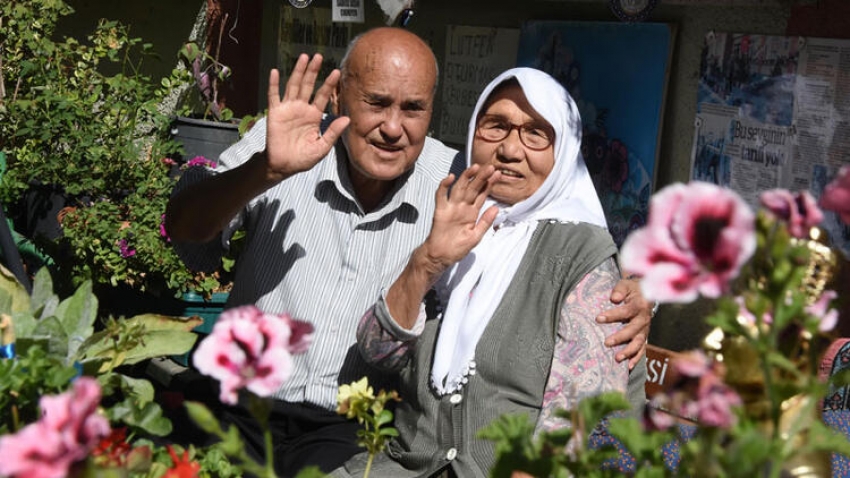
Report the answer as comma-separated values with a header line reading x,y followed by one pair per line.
x,y
294,140
457,227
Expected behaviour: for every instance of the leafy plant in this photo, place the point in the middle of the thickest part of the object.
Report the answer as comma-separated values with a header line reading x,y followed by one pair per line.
x,y
101,138
58,338
358,400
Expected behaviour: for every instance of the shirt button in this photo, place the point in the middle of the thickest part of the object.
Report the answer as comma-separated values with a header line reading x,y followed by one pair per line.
x,y
451,454
456,398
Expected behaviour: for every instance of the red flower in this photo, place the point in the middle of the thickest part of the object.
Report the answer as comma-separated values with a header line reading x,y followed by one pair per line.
x,y
183,466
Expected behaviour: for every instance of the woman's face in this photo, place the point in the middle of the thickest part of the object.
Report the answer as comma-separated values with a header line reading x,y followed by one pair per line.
x,y
523,169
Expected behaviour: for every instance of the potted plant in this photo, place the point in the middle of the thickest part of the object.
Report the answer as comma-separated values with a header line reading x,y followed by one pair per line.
x,y
204,125
81,119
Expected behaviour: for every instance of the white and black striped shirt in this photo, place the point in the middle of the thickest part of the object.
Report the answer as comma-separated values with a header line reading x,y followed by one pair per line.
x,y
312,252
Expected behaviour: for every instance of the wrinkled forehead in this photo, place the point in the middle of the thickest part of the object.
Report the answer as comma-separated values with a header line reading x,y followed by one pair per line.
x,y
511,91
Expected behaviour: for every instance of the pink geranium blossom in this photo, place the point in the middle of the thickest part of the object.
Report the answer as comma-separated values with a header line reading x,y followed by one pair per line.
x,y
251,349
201,161
697,238
70,428
836,195
798,209
821,309
699,392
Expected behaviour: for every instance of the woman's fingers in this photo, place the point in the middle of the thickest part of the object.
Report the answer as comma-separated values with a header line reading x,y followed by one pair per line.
x,y
474,184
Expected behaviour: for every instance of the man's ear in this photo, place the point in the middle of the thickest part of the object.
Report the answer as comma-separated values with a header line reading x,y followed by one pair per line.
x,y
335,102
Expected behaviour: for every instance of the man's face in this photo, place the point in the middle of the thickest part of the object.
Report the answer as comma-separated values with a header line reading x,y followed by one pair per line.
x,y
389,98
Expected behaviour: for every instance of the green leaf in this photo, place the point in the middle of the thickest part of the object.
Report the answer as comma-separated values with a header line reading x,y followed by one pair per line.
x,y
311,472
161,343
204,418
13,297
77,315
384,417
56,338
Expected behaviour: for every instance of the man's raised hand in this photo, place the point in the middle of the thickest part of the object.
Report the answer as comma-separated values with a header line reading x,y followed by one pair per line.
x,y
294,140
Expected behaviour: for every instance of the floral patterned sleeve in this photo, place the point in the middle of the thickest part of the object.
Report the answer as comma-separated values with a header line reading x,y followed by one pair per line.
x,y
382,342
582,366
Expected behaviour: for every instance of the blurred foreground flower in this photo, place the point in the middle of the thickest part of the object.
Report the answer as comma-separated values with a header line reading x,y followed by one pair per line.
x,y
799,210
696,241
357,400
251,349
836,195
69,429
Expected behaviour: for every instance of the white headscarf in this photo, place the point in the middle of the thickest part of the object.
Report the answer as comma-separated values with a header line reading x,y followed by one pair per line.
x,y
567,195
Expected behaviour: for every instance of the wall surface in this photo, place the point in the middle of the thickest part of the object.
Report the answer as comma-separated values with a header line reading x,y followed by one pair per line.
x,y
167,23
675,327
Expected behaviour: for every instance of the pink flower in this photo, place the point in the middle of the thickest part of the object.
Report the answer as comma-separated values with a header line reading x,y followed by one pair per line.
x,y
692,364
836,195
715,403
162,231
697,238
200,161
700,393
657,415
821,309
68,430
168,162
749,317
798,209
251,349
126,250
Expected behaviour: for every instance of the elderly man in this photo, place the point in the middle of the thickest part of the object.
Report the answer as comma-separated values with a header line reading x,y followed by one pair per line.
x,y
330,223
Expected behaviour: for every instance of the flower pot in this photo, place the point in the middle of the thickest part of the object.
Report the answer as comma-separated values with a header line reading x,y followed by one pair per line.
x,y
209,310
203,138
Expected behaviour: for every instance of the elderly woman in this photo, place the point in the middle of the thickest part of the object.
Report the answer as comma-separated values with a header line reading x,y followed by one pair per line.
x,y
518,287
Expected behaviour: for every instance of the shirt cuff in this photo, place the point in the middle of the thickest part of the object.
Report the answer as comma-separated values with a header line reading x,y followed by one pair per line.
x,y
382,313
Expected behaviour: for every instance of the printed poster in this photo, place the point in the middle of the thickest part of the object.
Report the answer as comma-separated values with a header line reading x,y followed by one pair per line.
x,y
617,74
773,112
310,30
473,57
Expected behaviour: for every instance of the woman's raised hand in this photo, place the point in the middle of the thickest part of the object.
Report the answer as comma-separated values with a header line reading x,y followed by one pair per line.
x,y
294,140
457,227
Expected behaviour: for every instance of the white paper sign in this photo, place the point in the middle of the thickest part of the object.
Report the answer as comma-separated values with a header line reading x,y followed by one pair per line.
x,y
350,11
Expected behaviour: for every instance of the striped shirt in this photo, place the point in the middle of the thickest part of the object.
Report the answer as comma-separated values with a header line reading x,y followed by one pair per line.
x,y
311,251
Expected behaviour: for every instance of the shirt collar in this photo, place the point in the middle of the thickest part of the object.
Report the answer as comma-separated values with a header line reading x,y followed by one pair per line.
x,y
334,169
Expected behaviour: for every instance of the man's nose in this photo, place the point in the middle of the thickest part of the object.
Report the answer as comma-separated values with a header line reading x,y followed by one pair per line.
x,y
391,126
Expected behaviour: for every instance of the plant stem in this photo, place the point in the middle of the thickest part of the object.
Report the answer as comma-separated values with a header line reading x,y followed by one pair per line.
x,y
267,435
368,465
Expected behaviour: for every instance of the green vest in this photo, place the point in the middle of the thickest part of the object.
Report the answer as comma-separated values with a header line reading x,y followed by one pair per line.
x,y
513,359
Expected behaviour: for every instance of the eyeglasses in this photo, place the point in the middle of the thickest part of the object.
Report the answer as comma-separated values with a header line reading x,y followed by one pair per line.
x,y
496,128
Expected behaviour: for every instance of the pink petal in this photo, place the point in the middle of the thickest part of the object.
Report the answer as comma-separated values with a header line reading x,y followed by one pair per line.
x,y
836,195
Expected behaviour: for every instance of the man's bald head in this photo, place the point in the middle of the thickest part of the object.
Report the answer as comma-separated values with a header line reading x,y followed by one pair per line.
x,y
384,41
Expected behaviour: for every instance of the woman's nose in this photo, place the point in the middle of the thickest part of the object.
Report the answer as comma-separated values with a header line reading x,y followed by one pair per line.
x,y
511,148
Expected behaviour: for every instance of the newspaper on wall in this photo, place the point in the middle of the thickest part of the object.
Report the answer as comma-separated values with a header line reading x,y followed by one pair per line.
x,y
773,112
